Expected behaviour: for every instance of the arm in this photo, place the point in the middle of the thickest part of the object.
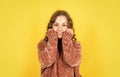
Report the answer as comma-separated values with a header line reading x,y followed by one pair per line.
x,y
71,50
47,51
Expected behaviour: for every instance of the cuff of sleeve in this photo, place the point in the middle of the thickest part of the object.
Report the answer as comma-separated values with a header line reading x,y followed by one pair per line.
x,y
67,36
51,34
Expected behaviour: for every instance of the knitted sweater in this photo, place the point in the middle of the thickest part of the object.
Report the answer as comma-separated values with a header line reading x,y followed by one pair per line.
x,y
55,64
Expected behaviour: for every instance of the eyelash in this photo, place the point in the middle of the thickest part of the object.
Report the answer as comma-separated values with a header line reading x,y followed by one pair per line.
x,y
57,25
64,25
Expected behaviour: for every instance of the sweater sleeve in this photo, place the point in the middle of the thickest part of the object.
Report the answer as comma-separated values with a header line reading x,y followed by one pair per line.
x,y
47,52
71,50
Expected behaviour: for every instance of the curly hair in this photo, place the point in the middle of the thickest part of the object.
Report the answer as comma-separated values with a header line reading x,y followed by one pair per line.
x,y
54,17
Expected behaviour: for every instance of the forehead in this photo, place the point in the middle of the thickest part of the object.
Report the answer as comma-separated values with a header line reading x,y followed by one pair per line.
x,y
61,19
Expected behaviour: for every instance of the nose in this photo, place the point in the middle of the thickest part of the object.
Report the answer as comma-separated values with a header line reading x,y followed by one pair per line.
x,y
60,29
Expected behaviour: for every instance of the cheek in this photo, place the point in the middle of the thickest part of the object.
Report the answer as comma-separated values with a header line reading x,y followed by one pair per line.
x,y
64,28
54,28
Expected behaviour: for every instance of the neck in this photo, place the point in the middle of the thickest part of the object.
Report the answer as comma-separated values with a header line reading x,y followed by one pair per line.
x,y
60,45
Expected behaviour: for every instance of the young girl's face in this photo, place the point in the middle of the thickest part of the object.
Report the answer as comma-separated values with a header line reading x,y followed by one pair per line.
x,y
60,25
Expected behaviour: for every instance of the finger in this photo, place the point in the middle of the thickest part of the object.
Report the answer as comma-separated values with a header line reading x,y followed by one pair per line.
x,y
70,30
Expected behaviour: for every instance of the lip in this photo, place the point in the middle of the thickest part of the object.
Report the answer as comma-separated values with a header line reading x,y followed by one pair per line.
x,y
59,34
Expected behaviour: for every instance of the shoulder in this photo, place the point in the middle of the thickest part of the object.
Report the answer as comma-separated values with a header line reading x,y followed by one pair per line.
x,y
77,44
41,45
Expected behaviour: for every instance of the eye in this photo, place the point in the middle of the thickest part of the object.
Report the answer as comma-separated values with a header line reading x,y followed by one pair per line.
x,y
64,25
55,24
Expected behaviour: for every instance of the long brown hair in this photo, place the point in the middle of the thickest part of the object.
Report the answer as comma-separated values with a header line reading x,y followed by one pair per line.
x,y
54,17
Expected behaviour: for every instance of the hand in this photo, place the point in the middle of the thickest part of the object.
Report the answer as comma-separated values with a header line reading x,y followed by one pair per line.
x,y
67,36
70,31
51,34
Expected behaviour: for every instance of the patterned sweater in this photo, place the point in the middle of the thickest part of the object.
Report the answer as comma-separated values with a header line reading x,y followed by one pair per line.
x,y
55,64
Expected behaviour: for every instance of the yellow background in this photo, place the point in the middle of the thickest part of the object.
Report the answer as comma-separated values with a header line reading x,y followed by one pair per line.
x,y
23,24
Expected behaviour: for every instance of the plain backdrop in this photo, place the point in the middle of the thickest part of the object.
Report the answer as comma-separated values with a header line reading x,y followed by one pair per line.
x,y
23,24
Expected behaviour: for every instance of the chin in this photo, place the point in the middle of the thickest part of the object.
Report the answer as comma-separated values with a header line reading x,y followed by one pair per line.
x,y
59,36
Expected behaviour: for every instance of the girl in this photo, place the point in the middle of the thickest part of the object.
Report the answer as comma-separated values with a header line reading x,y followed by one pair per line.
x,y
59,53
